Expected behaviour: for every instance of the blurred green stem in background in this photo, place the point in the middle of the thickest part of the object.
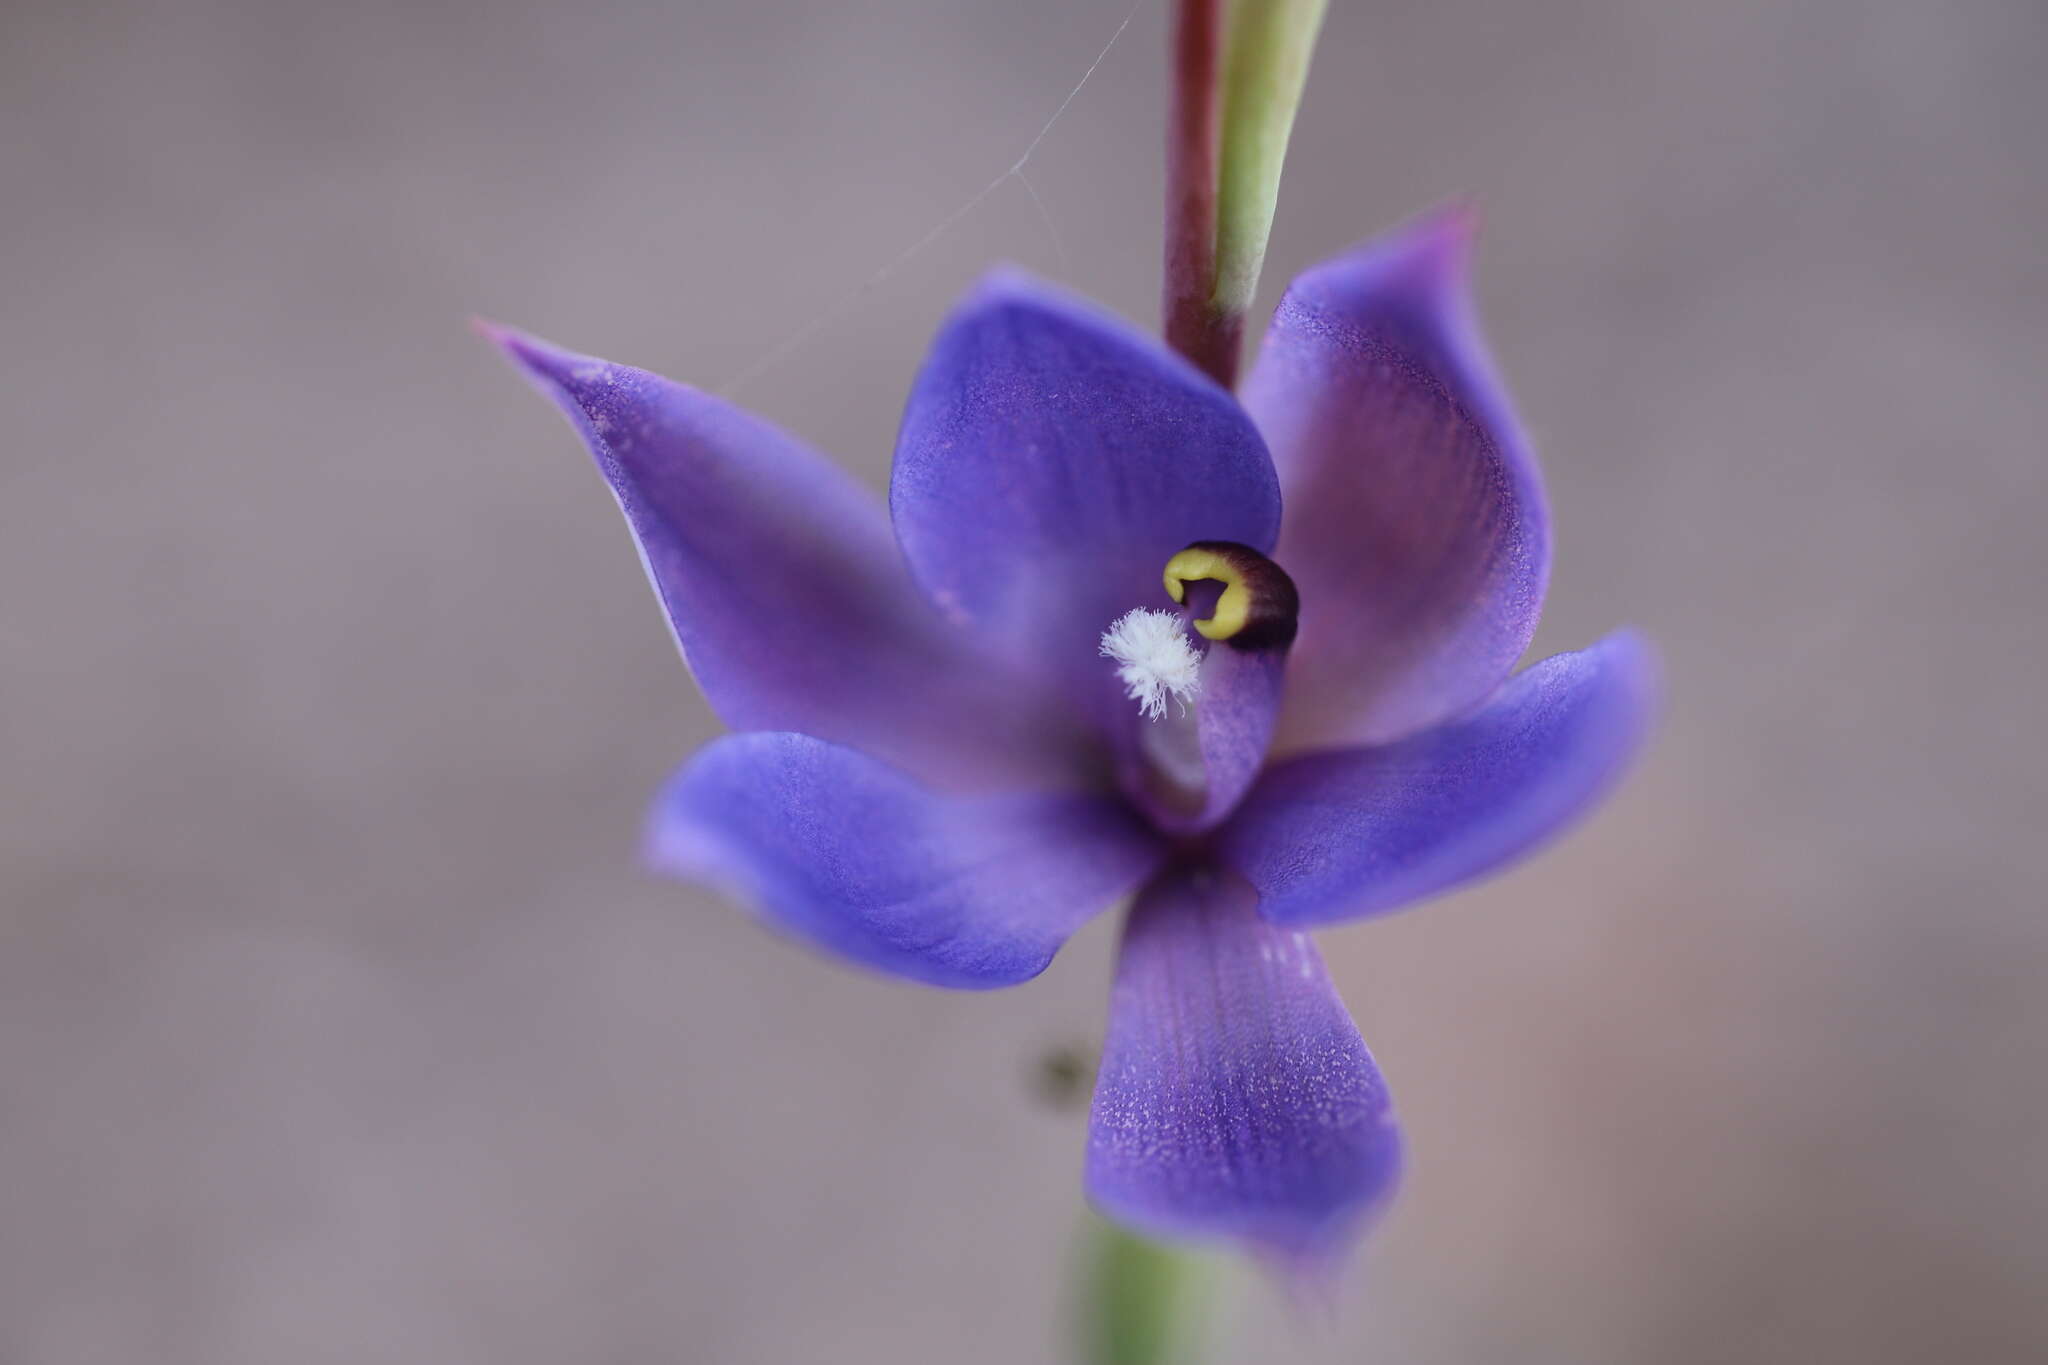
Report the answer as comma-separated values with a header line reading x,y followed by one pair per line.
x,y
1239,69
1144,1303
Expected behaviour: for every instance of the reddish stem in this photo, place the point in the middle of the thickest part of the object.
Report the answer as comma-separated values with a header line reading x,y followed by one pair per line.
x,y
1193,325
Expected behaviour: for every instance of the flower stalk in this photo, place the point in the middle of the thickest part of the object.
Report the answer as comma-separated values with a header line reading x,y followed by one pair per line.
x,y
1239,70
1193,326
1142,1303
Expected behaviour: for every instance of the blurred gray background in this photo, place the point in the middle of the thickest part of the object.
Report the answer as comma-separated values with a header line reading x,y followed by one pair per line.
x,y
337,1023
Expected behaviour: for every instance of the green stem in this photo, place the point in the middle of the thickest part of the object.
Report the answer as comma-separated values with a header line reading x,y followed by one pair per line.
x,y
1269,45
1142,1303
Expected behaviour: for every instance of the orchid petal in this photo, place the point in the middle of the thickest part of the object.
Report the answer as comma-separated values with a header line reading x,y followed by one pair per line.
x,y
1416,524
784,587
1354,832
1051,460
1235,1098
858,859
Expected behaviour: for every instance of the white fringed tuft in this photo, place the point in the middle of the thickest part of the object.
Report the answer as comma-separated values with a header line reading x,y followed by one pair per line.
x,y
1154,659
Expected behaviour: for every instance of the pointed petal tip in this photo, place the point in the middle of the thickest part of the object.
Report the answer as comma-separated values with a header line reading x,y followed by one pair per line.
x,y
538,359
1430,254
1461,215
522,347
1444,235
493,332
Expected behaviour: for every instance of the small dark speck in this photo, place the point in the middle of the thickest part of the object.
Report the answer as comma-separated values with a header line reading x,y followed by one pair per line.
x,y
1062,1076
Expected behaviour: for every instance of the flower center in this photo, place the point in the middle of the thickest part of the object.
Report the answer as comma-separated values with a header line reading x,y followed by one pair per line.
x,y
1254,612
1258,607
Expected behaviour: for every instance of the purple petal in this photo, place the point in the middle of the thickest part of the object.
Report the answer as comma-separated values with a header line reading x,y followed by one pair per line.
x,y
858,859
784,587
1416,526
1236,1099
1352,832
1051,460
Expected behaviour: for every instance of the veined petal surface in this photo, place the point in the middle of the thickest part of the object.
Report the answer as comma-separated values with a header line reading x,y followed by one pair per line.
x,y
785,589
1051,460
1416,524
858,859
1236,1099
1353,832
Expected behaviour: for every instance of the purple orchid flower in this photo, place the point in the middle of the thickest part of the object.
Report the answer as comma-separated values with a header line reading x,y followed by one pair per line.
x,y
941,776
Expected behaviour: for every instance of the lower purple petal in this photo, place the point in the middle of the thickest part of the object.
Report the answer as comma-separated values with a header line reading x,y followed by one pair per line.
x,y
858,859
1352,832
1236,1099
